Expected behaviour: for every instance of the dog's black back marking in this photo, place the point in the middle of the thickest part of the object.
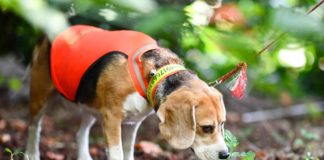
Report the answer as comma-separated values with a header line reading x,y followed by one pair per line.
x,y
173,82
88,84
159,60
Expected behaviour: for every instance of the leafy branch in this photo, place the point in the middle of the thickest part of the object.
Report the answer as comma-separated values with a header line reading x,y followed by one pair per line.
x,y
232,143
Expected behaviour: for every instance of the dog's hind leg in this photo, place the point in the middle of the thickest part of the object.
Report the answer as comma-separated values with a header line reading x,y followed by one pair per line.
x,y
34,129
41,88
83,136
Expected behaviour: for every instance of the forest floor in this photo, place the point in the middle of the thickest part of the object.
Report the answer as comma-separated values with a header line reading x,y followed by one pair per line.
x,y
287,138
282,138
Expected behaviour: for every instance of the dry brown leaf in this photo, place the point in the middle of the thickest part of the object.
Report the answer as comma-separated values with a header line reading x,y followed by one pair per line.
x,y
18,125
149,148
54,156
4,138
3,124
93,151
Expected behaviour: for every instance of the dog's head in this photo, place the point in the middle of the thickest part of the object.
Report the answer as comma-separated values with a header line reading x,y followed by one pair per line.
x,y
193,116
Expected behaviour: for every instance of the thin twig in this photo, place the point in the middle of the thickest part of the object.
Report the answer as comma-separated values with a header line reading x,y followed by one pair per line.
x,y
270,44
315,7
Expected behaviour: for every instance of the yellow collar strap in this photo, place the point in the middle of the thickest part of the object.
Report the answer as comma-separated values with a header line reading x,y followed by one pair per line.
x,y
161,74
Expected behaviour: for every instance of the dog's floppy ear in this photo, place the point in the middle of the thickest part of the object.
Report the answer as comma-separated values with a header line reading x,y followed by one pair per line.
x,y
178,124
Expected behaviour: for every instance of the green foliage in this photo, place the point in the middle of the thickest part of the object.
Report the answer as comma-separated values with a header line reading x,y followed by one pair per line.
x,y
314,111
309,156
243,155
15,153
298,143
8,150
15,84
230,140
210,50
232,143
158,22
309,135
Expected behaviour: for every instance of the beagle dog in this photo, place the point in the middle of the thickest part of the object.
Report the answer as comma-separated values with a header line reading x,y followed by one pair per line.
x,y
124,76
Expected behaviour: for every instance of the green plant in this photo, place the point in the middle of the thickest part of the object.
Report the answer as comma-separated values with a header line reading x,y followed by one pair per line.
x,y
232,143
309,156
15,153
15,84
309,135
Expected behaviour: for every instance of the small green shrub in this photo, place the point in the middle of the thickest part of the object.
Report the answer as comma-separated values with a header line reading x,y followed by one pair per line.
x,y
309,156
232,143
15,153
15,84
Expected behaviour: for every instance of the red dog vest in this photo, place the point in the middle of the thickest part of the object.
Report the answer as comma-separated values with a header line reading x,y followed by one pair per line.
x,y
74,50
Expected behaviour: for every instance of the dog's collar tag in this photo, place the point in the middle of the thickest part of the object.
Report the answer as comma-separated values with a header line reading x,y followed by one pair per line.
x,y
160,75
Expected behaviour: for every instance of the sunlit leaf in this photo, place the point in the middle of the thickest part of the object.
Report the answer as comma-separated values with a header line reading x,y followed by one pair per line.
x,y
230,140
15,84
8,150
321,63
249,156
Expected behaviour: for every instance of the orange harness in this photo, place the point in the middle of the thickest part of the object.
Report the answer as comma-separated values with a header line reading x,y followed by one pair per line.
x,y
77,48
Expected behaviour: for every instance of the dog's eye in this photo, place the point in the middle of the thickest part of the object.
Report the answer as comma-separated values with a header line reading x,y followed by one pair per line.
x,y
208,128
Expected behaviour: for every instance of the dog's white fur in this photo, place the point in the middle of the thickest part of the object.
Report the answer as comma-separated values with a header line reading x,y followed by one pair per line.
x,y
83,137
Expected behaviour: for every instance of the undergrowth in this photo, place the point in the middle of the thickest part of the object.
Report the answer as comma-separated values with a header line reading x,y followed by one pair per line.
x,y
232,143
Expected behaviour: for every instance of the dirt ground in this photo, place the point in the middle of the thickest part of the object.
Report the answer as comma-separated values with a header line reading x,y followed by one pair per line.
x,y
286,138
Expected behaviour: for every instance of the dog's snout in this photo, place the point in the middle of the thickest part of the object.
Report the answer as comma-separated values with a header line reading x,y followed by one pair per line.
x,y
223,155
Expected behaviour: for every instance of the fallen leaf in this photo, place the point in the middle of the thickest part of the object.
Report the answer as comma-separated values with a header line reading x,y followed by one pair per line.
x,y
54,156
285,99
93,151
149,148
4,138
3,124
18,125
262,154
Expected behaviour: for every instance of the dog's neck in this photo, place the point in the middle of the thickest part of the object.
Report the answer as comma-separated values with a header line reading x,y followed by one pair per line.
x,y
155,59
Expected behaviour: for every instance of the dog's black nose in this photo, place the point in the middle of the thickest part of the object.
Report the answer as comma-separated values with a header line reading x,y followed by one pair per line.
x,y
223,155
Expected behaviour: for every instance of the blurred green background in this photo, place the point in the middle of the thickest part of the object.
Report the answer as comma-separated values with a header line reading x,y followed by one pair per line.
x,y
234,34
211,42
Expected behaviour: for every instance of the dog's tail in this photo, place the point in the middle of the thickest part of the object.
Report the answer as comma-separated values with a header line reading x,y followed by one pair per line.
x,y
41,85
41,53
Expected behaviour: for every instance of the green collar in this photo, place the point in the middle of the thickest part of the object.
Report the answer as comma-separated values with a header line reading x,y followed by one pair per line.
x,y
161,74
